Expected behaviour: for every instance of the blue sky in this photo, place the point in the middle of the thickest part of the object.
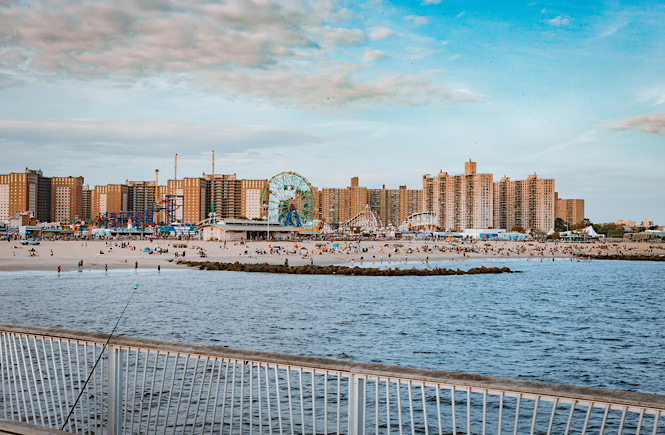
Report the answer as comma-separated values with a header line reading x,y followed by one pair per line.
x,y
387,91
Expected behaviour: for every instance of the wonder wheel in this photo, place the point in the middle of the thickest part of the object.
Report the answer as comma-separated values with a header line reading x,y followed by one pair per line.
x,y
289,199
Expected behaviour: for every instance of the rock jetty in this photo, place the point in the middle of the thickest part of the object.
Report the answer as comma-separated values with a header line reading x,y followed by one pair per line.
x,y
634,257
338,270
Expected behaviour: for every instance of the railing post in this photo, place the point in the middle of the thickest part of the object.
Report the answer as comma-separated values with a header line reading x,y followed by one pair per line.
x,y
356,402
115,390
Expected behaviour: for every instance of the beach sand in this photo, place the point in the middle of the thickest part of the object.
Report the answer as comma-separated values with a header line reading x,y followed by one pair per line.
x,y
97,254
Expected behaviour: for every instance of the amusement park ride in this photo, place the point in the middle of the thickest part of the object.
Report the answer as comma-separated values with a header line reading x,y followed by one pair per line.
x,y
289,199
141,220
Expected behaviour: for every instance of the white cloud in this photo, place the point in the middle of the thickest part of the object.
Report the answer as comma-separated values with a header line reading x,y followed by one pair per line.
x,y
559,21
461,14
285,52
417,20
654,123
374,55
142,138
430,2
377,33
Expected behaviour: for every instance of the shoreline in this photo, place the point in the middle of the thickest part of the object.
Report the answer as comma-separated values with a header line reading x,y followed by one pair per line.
x,y
130,254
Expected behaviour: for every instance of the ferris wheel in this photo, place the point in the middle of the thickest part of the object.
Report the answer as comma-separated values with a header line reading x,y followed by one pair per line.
x,y
289,199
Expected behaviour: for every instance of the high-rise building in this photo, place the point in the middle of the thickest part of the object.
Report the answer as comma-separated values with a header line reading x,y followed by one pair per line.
x,y
410,202
571,211
66,198
196,201
333,205
250,198
524,203
227,191
19,192
460,201
111,198
86,204
176,204
357,197
385,203
140,195
44,197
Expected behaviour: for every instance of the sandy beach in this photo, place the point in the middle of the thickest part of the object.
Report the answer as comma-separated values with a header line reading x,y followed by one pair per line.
x,y
128,254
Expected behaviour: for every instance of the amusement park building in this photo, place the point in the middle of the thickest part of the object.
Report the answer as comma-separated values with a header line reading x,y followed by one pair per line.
x,y
240,229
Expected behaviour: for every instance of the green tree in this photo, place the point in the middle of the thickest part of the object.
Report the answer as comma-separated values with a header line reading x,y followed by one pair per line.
x,y
559,224
518,229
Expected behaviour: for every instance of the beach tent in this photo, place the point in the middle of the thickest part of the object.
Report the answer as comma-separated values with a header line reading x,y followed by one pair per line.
x,y
146,249
589,231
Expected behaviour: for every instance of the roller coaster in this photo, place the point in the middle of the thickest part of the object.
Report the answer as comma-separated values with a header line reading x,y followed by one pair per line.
x,y
419,221
141,220
366,220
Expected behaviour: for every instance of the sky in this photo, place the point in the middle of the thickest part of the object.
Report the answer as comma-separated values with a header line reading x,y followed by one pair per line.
x,y
386,91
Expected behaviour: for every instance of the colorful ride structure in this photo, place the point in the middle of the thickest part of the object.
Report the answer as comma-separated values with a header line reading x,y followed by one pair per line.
x,y
289,199
140,220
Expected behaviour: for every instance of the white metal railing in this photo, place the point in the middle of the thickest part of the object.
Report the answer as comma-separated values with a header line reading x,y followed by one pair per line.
x,y
150,387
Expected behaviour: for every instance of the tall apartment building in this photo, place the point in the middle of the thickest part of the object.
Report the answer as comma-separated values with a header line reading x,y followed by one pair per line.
x,y
385,203
66,198
250,198
333,207
109,199
86,204
175,188
410,202
140,195
571,211
227,191
19,192
524,203
196,204
44,197
357,197
460,201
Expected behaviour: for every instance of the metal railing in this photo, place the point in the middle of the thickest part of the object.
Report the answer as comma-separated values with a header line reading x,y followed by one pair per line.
x,y
150,387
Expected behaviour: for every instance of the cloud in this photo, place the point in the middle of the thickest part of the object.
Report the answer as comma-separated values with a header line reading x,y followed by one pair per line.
x,y
582,138
461,14
417,20
558,21
286,52
142,138
430,2
374,55
654,123
377,33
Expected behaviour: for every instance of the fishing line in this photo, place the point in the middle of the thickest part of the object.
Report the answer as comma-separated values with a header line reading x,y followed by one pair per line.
x,y
136,286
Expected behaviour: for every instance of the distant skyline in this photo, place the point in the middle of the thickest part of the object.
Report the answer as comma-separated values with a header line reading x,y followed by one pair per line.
x,y
386,91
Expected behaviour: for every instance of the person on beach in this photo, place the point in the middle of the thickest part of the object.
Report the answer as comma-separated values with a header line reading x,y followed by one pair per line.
x,y
136,265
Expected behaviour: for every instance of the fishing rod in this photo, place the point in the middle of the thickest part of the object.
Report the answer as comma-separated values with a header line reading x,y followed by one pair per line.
x,y
136,286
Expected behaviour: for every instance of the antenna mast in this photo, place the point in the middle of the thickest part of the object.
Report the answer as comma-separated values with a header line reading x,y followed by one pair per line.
x,y
212,203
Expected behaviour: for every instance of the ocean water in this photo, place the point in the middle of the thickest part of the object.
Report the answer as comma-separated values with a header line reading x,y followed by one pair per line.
x,y
597,324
